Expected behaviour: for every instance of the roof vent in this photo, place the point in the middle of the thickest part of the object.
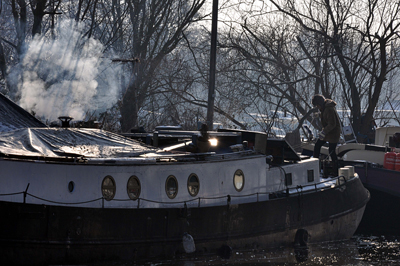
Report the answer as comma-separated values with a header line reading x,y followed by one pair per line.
x,y
65,120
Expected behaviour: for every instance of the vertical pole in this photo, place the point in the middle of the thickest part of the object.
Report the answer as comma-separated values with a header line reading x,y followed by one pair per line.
x,y
213,54
25,192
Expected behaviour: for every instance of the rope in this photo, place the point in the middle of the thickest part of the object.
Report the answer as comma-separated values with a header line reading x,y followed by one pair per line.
x,y
68,203
11,194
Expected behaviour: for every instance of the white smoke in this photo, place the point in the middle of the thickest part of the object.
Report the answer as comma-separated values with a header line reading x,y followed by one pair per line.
x,y
60,76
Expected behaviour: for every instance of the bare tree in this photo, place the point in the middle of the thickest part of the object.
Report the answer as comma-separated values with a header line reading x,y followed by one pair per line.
x,y
157,27
295,49
273,70
360,34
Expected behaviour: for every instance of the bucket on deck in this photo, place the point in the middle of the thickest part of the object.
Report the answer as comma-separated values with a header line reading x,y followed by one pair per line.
x,y
347,171
351,170
344,172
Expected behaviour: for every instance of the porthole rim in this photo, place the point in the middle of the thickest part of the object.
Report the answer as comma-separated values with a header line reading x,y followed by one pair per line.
x,y
234,185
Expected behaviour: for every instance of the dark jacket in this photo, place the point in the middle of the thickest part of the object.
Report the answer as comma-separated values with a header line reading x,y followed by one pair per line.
x,y
330,122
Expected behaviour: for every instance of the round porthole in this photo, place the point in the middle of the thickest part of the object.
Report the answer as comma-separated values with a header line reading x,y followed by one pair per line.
x,y
71,186
238,180
171,187
193,185
133,187
108,188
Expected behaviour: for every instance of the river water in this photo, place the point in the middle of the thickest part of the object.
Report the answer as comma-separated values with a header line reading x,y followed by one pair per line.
x,y
358,251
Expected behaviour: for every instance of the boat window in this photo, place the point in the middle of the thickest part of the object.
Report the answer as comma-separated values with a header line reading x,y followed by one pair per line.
x,y
108,187
171,187
310,175
288,179
71,186
193,185
133,187
238,180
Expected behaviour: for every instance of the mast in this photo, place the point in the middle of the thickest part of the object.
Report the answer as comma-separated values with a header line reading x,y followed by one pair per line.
x,y
213,54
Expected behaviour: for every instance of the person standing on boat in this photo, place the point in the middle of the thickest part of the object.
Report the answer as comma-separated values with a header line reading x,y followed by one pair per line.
x,y
331,127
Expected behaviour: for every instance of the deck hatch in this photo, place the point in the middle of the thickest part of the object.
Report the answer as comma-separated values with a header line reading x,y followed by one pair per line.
x,y
288,179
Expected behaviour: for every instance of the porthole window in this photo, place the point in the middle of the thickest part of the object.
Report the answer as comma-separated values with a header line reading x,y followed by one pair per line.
x,y
133,187
71,186
108,188
193,185
238,180
171,187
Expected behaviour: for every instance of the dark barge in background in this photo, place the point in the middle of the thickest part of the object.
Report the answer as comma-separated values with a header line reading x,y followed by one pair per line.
x,y
73,196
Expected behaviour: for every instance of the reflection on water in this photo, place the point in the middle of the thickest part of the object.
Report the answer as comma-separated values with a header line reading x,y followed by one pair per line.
x,y
358,251
379,249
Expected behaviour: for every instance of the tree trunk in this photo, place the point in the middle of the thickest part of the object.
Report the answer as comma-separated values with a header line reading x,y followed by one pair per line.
x,y
129,109
20,20
38,14
3,66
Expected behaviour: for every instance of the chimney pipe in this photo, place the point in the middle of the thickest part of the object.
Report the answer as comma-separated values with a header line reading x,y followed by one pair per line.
x,y
65,120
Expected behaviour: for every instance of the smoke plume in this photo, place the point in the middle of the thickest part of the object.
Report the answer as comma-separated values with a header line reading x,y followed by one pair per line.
x,y
67,75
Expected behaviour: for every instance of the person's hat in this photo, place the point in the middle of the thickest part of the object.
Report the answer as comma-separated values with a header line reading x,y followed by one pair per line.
x,y
318,99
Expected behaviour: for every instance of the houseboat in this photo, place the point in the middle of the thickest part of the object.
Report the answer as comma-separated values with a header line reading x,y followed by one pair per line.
x,y
79,195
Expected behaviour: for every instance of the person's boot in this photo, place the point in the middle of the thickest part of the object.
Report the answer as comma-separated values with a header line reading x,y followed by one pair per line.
x,y
335,168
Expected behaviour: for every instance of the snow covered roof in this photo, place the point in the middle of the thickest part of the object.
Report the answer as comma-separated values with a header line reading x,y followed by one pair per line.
x,y
13,117
23,134
69,142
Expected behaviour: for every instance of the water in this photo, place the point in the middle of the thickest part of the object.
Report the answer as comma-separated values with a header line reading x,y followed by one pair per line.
x,y
358,251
